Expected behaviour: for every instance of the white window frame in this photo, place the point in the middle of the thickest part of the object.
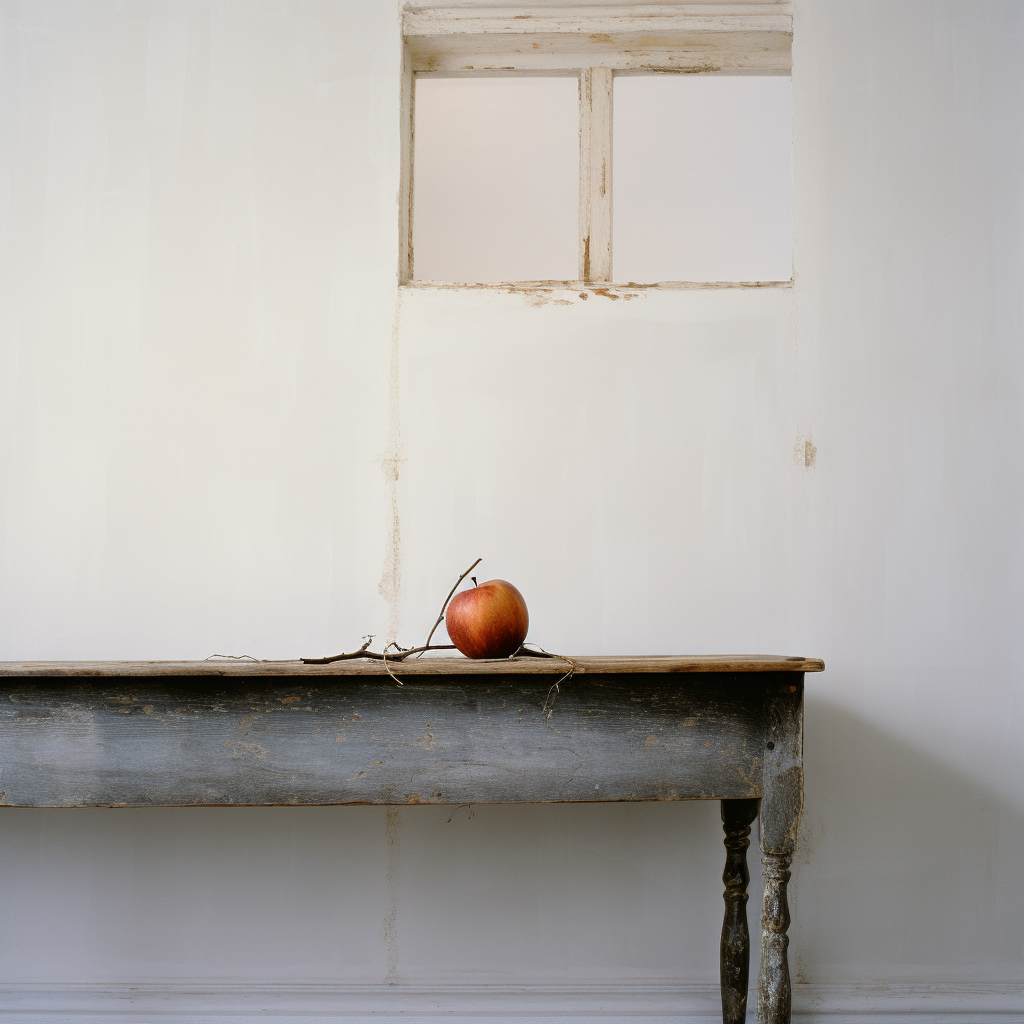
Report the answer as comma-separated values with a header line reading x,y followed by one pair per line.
x,y
592,44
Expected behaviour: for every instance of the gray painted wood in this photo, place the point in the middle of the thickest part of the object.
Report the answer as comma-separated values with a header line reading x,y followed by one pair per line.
x,y
76,734
366,740
737,816
783,765
774,991
779,820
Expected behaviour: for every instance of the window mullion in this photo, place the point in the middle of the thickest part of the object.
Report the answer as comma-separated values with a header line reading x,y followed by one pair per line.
x,y
595,174
405,191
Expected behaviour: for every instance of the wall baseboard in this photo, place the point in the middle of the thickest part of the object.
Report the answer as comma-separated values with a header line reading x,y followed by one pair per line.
x,y
236,1003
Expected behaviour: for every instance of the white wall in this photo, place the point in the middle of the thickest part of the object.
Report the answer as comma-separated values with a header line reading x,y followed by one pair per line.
x,y
200,350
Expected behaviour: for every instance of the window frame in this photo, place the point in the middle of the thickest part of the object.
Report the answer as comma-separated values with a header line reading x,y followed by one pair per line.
x,y
592,44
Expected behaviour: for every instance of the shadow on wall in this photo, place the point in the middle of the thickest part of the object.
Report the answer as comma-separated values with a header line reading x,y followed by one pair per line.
x,y
906,871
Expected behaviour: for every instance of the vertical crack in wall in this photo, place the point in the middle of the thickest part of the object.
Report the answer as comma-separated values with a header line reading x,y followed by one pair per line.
x,y
389,927
391,463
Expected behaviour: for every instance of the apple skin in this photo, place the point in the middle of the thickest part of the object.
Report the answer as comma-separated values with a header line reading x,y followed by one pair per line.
x,y
489,621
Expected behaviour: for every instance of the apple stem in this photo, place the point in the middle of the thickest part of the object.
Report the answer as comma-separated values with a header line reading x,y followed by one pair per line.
x,y
475,584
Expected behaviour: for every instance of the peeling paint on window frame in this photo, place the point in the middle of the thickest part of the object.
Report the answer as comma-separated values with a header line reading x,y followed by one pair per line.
x,y
592,44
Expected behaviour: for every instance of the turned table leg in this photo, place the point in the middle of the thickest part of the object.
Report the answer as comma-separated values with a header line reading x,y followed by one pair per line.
x,y
737,816
774,994
778,821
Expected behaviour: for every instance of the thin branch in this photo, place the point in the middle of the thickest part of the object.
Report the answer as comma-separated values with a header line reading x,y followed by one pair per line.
x,y
387,669
374,656
361,653
556,686
523,651
419,650
401,653
448,598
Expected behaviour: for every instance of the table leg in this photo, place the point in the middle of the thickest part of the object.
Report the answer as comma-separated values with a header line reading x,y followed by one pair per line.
x,y
774,994
778,821
737,816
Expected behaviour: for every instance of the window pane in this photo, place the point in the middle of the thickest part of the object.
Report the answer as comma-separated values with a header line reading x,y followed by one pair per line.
x,y
496,179
702,178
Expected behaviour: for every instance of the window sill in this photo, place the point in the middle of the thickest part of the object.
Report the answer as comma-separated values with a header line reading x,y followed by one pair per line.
x,y
627,290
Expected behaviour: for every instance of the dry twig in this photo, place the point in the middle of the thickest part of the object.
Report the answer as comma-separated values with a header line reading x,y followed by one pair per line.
x,y
386,666
556,686
401,653
448,598
363,652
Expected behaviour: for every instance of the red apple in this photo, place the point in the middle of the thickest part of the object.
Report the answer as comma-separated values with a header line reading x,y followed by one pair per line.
x,y
489,621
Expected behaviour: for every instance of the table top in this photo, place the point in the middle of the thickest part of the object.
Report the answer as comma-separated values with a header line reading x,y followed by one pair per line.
x,y
425,666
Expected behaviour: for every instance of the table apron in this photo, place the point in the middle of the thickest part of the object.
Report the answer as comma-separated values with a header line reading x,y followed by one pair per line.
x,y
119,742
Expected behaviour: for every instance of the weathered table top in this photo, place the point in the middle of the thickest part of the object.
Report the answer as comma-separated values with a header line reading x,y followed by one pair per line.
x,y
426,666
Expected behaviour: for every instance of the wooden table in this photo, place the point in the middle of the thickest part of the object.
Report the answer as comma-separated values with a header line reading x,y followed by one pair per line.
x,y
142,734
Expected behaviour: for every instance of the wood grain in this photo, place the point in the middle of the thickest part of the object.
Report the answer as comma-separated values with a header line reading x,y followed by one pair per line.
x,y
664,37
595,241
774,989
778,821
734,951
364,740
406,196
580,19
779,816
426,666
